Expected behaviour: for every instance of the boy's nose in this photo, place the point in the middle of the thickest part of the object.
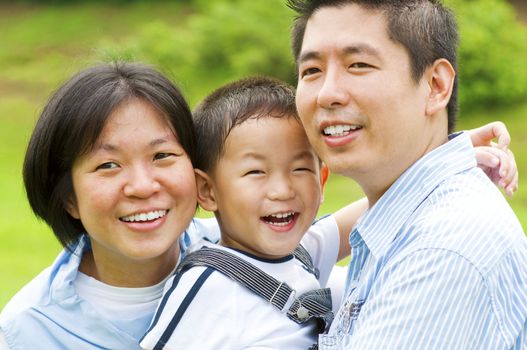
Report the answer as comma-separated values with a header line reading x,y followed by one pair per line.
x,y
281,189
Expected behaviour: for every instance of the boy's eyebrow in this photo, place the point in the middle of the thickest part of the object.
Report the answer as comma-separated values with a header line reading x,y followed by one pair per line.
x,y
305,154
347,50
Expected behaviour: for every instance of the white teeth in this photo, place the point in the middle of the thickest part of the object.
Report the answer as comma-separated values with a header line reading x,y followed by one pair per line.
x,y
151,215
279,223
339,130
282,215
285,219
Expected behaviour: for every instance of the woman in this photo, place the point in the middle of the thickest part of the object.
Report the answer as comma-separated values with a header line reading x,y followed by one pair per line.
x,y
111,156
109,168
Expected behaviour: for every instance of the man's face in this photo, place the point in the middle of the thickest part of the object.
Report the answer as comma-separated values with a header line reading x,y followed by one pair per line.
x,y
361,109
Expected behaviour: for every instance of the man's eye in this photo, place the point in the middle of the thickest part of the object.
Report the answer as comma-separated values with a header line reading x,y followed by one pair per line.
x,y
360,65
107,165
309,71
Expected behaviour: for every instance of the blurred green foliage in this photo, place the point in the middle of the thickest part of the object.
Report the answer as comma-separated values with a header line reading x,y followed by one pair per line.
x,y
218,42
492,53
223,40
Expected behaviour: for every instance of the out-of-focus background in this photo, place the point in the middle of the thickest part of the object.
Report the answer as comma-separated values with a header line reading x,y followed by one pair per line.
x,y
202,44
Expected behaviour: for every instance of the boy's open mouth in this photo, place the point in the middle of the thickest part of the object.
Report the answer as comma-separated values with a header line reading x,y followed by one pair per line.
x,y
280,219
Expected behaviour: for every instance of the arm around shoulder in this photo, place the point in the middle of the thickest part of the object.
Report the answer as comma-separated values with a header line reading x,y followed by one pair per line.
x,y
346,218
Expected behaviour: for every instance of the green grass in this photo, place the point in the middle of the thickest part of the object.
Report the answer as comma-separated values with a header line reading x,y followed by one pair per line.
x,y
42,46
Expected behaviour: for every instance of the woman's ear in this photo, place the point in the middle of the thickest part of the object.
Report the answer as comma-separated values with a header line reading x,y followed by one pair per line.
x,y
72,208
206,198
324,176
441,76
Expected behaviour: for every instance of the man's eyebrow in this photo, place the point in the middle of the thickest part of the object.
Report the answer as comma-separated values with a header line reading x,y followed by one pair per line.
x,y
309,55
347,50
361,48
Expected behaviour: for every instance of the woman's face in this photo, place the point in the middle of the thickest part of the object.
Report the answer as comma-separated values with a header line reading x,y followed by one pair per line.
x,y
135,194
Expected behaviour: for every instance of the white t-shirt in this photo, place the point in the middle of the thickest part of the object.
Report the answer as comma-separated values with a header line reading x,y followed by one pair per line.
x,y
133,307
225,315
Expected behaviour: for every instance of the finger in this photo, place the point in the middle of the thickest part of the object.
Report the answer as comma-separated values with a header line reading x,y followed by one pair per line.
x,y
496,130
487,156
513,186
508,167
502,134
509,171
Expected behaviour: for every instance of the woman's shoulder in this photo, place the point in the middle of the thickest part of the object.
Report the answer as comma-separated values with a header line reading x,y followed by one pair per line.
x,y
52,282
33,294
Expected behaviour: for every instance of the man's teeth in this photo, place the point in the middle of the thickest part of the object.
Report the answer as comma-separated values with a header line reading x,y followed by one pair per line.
x,y
280,219
151,215
339,130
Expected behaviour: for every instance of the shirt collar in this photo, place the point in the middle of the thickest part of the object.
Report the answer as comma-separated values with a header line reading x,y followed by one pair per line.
x,y
67,264
380,224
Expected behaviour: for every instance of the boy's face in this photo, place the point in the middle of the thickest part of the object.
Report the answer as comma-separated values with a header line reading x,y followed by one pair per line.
x,y
266,188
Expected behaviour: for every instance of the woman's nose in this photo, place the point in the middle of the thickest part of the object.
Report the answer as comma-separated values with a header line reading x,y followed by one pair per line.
x,y
142,183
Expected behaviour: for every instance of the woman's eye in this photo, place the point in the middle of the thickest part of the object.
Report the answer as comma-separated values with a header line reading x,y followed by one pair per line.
x,y
107,165
162,155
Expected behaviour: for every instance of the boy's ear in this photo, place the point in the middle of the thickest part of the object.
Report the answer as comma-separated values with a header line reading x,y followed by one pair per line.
x,y
440,77
324,176
206,198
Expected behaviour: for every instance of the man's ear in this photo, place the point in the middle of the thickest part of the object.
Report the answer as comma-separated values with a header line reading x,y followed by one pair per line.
x,y
72,208
324,176
206,198
440,77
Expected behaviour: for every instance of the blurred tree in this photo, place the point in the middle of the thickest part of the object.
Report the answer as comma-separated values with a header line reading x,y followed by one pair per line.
x,y
492,53
223,40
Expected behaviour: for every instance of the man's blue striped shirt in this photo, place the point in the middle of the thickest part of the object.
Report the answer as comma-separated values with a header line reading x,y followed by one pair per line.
x,y
439,262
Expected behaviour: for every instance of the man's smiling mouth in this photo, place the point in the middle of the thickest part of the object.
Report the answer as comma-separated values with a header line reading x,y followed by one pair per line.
x,y
340,130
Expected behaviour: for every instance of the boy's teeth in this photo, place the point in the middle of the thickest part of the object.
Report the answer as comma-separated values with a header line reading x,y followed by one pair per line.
x,y
281,215
151,215
280,219
339,130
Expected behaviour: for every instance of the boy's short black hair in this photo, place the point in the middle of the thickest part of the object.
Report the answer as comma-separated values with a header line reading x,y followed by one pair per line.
x,y
231,105
71,123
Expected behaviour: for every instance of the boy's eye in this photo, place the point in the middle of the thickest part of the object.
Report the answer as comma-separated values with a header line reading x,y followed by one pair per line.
x,y
107,165
304,169
254,172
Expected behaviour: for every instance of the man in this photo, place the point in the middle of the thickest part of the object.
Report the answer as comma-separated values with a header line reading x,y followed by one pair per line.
x,y
439,261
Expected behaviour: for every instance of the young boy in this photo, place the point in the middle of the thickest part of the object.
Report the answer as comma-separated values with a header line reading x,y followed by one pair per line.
x,y
259,175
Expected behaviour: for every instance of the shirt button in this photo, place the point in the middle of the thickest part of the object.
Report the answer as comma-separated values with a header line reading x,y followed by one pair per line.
x,y
302,313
